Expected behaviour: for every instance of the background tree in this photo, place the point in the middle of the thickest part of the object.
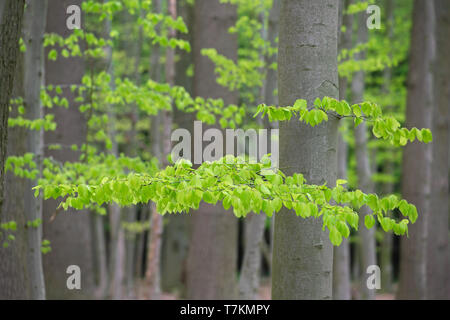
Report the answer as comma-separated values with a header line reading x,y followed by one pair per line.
x,y
211,270
363,167
68,232
417,157
438,280
341,254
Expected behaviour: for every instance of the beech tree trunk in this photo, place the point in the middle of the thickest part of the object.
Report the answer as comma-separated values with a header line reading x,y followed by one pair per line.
x,y
417,157
307,68
68,231
255,223
438,279
363,168
211,268
341,254
153,273
176,231
34,28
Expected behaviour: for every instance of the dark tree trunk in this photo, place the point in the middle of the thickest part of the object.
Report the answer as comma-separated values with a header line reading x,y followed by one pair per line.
x,y
417,156
10,26
13,267
211,268
438,279
70,231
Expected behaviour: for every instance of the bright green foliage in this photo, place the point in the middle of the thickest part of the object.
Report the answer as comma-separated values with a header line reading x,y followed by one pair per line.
x,y
248,72
243,186
45,246
22,166
385,127
46,123
8,228
98,179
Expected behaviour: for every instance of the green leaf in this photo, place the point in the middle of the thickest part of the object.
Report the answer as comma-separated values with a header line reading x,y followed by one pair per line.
x,y
369,221
264,189
335,237
343,228
358,121
386,224
426,135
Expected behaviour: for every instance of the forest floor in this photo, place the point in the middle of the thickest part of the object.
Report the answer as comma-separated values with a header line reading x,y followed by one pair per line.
x,y
265,293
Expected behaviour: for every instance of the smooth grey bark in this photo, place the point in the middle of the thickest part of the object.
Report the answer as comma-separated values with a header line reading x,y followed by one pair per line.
x,y
100,252
341,254
272,34
212,255
363,169
33,30
250,272
438,279
307,68
417,157
68,231
117,253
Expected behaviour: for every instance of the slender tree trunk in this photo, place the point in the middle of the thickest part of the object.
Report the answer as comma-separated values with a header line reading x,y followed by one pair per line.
x,y
117,233
116,261
100,255
34,28
254,223
417,157
176,230
212,256
341,254
438,279
307,68
130,213
363,168
68,231
387,242
153,273
249,278
117,253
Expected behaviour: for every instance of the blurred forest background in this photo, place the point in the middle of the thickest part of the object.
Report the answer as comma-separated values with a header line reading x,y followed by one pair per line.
x,y
98,101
